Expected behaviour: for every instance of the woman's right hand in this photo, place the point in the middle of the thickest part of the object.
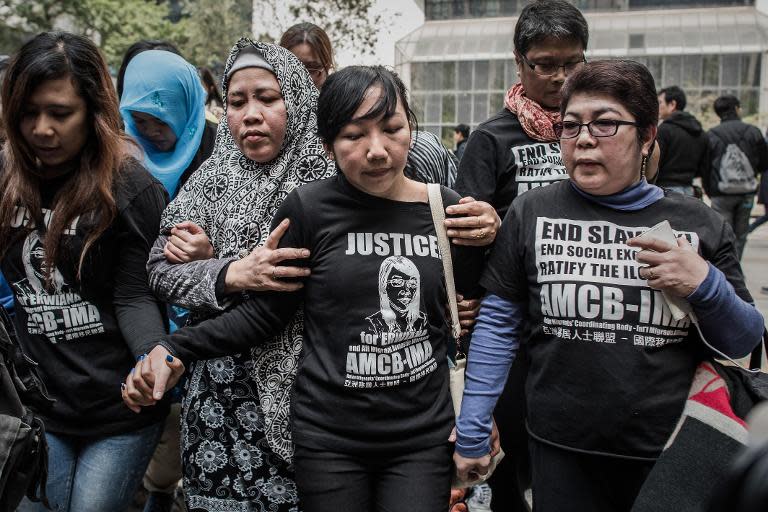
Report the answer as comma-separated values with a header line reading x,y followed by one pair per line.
x,y
148,381
188,242
259,271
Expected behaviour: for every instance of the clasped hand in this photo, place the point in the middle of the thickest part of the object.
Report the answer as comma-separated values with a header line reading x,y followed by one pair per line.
x,y
469,468
152,376
478,226
260,270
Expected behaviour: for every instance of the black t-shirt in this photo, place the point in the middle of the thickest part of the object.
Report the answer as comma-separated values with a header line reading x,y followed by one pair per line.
x,y
501,162
610,368
373,372
86,334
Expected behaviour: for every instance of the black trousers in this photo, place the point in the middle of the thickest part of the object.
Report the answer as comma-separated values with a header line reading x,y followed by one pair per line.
x,y
417,481
567,481
512,476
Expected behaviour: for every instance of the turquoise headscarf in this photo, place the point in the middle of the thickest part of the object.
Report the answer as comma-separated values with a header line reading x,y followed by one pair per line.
x,y
164,85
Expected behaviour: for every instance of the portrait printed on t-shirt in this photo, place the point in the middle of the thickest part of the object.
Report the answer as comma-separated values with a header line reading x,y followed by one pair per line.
x,y
393,346
53,306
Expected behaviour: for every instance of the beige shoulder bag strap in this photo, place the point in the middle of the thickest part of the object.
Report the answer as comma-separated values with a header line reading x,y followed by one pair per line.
x,y
438,218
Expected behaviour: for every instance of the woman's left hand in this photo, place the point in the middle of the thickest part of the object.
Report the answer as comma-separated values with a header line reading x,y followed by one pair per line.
x,y
152,376
477,227
677,270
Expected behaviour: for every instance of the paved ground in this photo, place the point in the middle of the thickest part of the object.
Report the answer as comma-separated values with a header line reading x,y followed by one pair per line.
x,y
755,266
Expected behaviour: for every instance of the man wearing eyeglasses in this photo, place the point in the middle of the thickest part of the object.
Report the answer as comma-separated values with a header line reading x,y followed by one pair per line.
x,y
517,149
514,151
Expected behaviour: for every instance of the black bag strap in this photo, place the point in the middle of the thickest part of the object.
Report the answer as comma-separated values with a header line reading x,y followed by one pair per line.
x,y
756,359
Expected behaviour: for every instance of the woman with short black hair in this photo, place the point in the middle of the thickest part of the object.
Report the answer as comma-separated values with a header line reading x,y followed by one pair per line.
x,y
371,406
569,276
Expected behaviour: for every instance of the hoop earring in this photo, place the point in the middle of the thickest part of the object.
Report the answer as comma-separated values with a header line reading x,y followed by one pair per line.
x,y
643,166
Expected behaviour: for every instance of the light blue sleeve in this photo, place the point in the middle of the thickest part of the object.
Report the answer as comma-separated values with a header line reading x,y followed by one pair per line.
x,y
495,340
730,324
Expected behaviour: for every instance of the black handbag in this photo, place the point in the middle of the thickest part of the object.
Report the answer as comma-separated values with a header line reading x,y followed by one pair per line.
x,y
23,449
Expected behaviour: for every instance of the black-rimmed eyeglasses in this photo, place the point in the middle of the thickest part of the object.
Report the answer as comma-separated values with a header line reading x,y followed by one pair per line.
x,y
597,128
550,68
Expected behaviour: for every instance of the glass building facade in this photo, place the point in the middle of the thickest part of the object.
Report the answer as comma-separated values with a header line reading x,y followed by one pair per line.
x,y
457,9
458,70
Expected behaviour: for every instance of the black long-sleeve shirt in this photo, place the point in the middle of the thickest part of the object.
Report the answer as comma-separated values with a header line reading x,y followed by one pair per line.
x,y
86,333
373,371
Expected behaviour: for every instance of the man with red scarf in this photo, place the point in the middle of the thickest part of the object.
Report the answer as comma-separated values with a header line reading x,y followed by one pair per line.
x,y
516,149
510,153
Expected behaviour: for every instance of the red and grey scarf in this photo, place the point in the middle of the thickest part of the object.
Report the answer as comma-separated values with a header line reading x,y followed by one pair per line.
x,y
535,120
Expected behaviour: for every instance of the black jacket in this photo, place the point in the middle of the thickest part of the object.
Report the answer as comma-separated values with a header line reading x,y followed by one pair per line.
x,y
733,130
684,150
460,147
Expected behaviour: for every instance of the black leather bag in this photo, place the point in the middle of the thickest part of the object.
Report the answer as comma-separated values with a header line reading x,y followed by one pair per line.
x,y
23,450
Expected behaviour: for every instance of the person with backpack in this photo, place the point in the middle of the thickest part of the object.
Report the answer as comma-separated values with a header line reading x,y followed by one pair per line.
x,y
738,152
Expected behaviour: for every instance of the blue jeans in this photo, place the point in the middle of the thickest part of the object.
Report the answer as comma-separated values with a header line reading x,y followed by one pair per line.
x,y
95,474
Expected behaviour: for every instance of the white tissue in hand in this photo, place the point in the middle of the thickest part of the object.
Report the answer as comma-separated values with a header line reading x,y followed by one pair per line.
x,y
663,232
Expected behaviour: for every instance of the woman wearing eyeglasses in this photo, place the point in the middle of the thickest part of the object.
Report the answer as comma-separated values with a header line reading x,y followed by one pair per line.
x,y
610,368
313,48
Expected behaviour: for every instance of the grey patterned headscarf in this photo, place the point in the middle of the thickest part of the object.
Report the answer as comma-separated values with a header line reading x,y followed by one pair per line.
x,y
234,200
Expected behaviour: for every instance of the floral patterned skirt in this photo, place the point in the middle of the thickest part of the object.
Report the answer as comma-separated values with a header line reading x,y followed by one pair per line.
x,y
227,462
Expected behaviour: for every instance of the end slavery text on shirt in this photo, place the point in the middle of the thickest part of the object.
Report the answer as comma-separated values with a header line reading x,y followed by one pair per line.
x,y
591,289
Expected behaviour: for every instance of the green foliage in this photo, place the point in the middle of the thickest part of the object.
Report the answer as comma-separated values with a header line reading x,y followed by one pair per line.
x,y
205,32
212,27
112,24
350,24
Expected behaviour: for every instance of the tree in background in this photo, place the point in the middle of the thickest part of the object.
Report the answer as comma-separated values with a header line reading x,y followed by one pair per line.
x,y
204,30
350,24
212,27
112,24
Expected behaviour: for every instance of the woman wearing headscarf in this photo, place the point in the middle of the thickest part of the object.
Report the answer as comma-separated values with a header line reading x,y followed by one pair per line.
x,y
267,147
163,108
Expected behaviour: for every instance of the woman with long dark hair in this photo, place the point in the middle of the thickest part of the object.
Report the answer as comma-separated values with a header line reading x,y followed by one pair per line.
x,y
77,218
